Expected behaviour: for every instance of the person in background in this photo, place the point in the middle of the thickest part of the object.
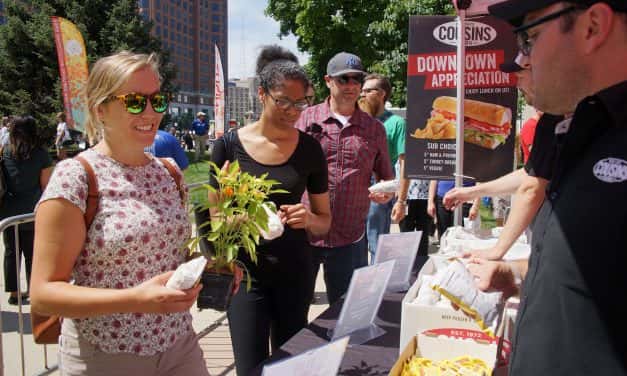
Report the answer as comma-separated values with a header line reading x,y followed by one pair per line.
x,y
376,90
311,94
442,215
166,145
27,167
119,318
200,127
4,130
63,138
233,125
417,218
189,140
527,133
276,305
355,147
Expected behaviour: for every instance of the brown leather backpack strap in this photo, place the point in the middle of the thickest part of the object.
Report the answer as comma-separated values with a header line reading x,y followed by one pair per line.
x,y
176,176
92,192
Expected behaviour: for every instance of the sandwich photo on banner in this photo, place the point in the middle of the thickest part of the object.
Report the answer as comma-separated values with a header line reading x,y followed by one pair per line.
x,y
485,124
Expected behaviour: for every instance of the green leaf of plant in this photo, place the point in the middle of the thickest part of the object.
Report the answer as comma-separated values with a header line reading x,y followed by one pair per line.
x,y
216,225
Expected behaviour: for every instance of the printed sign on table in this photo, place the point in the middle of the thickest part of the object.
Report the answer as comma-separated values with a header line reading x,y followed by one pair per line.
x,y
364,296
490,104
403,248
322,361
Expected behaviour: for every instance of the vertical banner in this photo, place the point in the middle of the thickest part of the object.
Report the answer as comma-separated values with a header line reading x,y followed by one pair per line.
x,y
73,70
489,107
218,97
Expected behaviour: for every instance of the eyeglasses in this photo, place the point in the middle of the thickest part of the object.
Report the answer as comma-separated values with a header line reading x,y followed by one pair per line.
x,y
285,104
136,103
345,79
525,42
369,90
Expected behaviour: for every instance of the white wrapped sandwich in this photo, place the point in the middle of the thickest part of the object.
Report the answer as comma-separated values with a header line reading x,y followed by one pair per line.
x,y
187,275
275,227
388,186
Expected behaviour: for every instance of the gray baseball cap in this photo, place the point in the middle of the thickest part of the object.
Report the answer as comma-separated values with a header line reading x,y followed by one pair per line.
x,y
343,63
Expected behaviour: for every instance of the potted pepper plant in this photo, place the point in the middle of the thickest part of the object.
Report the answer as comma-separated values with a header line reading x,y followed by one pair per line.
x,y
234,222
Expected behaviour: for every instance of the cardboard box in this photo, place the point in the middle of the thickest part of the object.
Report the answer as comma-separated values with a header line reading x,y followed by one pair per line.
x,y
438,348
416,319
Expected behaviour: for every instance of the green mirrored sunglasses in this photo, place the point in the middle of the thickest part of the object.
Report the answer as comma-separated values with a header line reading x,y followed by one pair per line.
x,y
136,103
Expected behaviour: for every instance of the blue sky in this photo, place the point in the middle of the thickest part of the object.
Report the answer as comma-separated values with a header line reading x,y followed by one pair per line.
x,y
249,29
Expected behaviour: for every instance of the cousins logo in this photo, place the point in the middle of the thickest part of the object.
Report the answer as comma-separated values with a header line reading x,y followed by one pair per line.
x,y
611,170
477,33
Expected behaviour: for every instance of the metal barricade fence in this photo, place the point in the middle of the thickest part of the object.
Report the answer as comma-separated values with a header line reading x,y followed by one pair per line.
x,y
5,224
14,222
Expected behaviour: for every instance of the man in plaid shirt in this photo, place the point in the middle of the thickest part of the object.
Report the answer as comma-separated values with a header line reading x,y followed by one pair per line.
x,y
356,148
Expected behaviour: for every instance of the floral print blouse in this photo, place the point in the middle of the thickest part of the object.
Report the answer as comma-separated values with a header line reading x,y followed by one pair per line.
x,y
139,231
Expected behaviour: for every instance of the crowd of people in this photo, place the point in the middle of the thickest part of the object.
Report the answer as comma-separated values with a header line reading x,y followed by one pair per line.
x,y
120,318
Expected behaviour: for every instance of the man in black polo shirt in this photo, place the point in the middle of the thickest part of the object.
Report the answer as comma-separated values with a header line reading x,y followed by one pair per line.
x,y
571,319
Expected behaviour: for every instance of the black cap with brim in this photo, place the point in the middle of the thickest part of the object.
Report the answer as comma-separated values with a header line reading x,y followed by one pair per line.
x,y
510,67
514,11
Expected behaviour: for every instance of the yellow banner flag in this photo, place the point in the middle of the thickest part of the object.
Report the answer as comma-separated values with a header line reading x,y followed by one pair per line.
x,y
72,58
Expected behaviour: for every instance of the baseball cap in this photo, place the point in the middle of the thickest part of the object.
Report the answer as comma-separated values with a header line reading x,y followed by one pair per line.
x,y
512,66
514,11
343,63
200,113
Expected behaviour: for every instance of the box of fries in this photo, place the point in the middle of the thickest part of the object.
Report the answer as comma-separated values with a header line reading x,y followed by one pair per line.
x,y
433,354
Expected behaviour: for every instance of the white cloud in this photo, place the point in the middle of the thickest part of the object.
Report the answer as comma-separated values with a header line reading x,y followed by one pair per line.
x,y
249,29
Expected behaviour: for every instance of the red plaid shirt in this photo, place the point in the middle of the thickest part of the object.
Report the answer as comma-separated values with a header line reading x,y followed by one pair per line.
x,y
354,152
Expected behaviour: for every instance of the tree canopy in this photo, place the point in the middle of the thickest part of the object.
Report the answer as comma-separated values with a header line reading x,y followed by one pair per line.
x,y
29,73
375,30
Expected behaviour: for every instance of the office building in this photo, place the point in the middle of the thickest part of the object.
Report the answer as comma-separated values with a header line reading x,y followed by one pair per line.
x,y
188,29
243,104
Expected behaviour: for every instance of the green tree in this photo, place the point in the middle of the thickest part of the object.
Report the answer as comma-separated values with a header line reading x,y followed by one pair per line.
x,y
376,30
29,72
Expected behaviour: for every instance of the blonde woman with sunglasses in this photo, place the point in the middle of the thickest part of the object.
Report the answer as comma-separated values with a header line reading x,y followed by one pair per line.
x,y
119,318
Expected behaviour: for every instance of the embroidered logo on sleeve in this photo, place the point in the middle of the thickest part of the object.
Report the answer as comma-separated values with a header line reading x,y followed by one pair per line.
x,y
610,170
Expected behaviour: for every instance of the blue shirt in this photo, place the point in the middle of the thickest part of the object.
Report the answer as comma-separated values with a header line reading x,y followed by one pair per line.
x,y
200,128
446,185
167,146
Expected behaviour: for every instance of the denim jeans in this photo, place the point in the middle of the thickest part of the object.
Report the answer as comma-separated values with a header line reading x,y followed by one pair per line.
x,y
339,263
379,222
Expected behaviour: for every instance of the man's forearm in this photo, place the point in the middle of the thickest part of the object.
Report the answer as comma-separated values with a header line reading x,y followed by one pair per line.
x,y
432,190
528,199
403,181
505,185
